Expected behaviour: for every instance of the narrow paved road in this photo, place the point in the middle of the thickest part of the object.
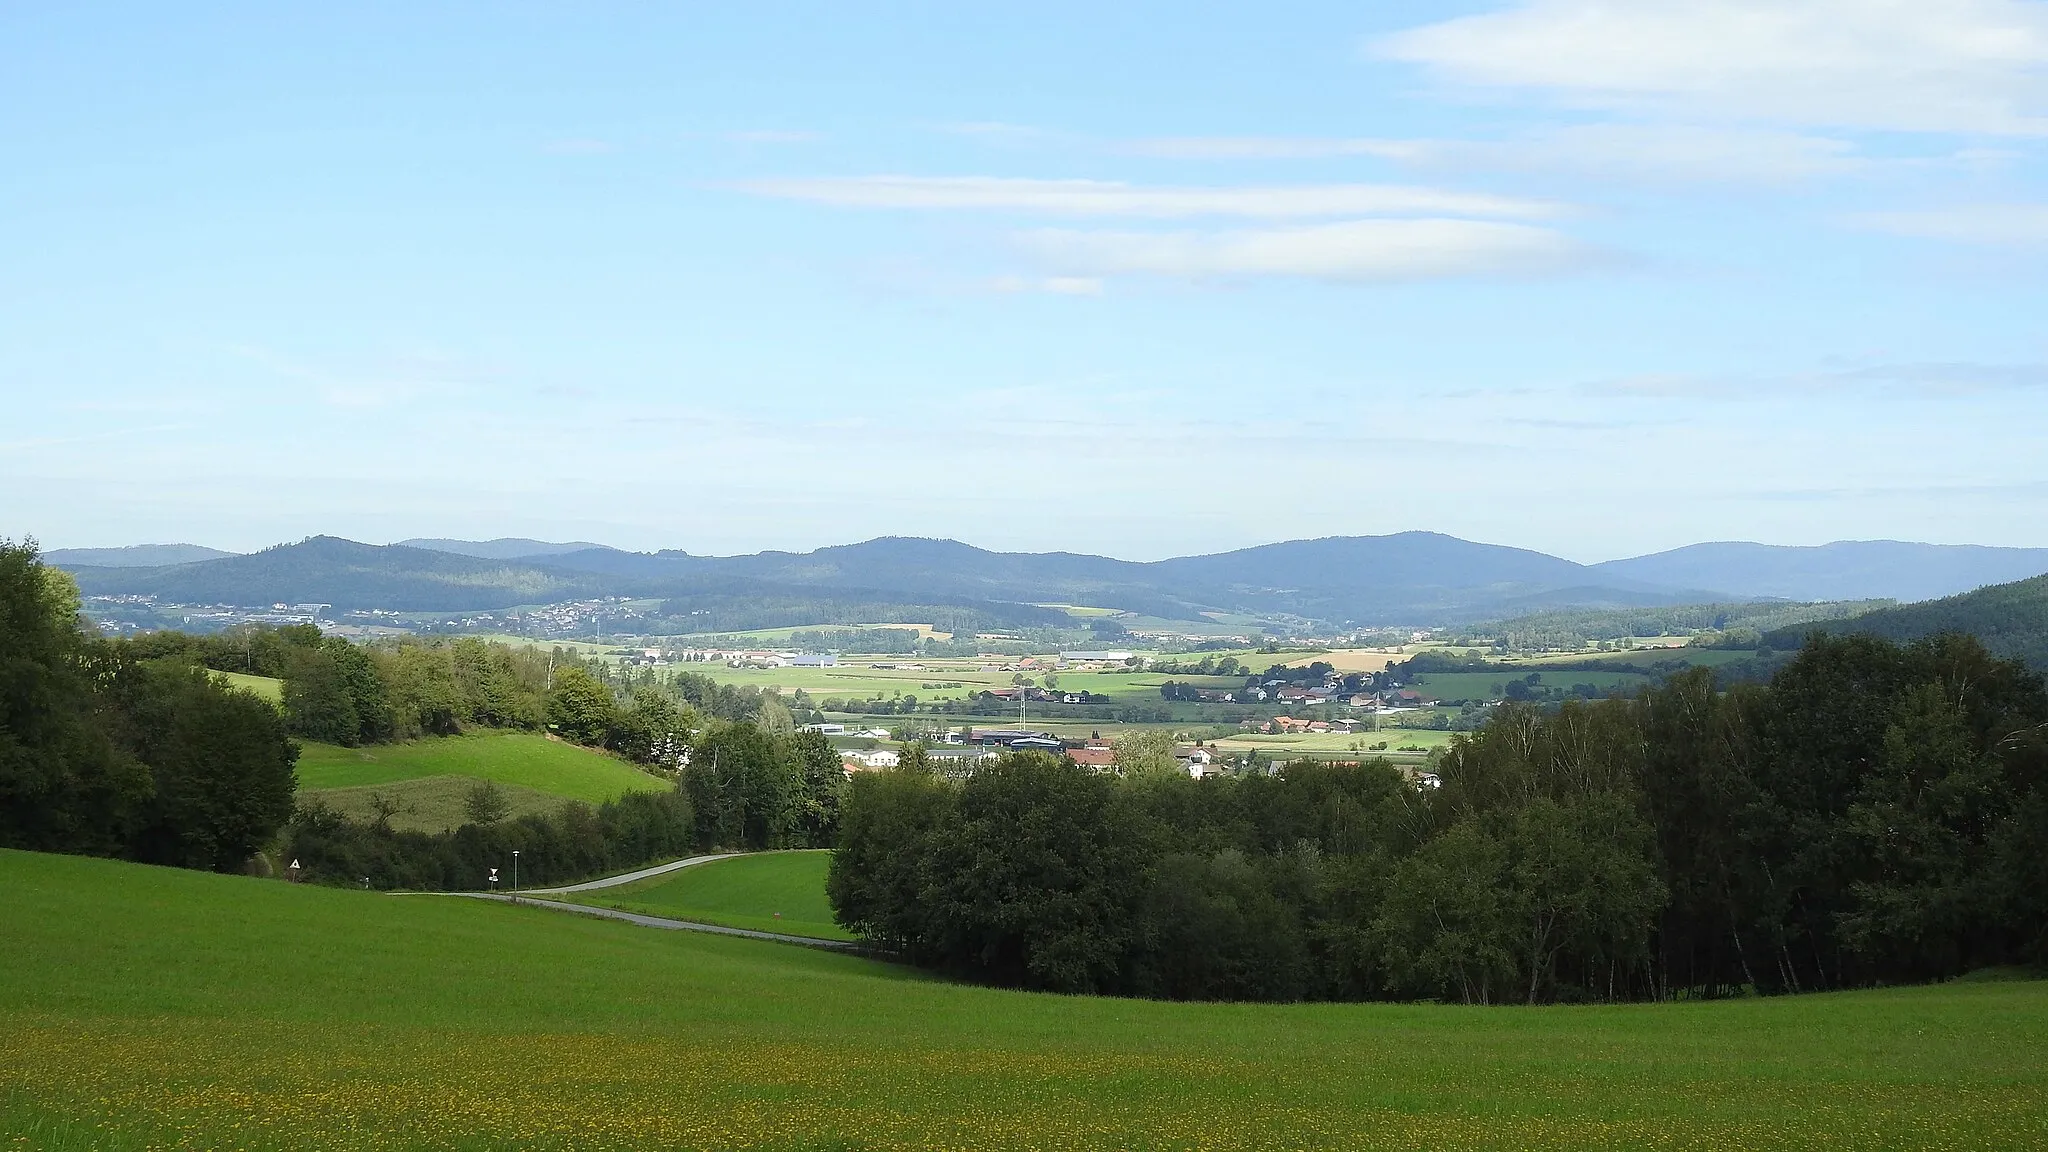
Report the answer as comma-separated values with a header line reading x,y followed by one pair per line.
x,y
628,878
662,922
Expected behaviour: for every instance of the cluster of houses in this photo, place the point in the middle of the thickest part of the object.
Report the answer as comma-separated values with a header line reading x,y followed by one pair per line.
x,y
730,657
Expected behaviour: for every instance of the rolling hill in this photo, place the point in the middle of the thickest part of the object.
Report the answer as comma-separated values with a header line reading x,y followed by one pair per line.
x,y
2010,619
503,548
133,556
158,1008
1844,570
1404,578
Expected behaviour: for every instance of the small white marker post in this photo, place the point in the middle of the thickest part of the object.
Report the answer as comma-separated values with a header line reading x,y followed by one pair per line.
x,y
293,872
515,875
494,879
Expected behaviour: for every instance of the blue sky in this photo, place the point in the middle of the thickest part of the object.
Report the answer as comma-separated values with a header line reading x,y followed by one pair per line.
x,y
1594,278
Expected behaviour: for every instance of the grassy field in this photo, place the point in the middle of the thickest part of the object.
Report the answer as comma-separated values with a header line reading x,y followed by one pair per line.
x,y
268,687
1454,686
430,803
1644,657
744,892
524,759
152,1008
1396,739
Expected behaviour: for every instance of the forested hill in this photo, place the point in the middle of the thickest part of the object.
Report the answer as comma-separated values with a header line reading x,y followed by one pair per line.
x,y
1844,570
1419,578
1407,577
2011,620
348,575
133,556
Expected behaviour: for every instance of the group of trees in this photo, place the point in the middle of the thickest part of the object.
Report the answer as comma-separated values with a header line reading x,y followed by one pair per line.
x,y
742,787
1874,814
573,841
108,749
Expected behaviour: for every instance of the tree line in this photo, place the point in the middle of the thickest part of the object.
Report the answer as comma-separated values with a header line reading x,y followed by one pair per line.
x,y
107,750
1874,814
137,749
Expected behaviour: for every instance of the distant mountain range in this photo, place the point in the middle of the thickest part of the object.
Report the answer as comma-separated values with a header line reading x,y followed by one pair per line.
x,y
133,556
1406,578
1845,570
503,548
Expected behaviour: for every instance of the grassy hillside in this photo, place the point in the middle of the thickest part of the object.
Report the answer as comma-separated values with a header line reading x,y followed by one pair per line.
x,y
2011,620
268,687
430,803
523,759
744,892
147,1007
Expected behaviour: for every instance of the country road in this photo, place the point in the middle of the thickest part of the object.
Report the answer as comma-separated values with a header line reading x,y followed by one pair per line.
x,y
629,877
529,895
676,925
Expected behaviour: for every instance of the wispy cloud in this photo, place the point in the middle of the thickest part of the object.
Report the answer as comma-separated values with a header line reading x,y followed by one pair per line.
x,y
1109,198
1974,66
1354,250
1971,224
1643,153
1897,381
1053,285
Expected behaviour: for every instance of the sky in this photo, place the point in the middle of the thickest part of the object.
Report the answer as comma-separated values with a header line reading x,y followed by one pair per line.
x,y
1595,277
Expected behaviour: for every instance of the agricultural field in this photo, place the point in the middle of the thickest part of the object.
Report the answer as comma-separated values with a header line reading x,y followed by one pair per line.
x,y
1398,740
1455,686
429,803
521,759
1645,657
268,687
768,891
156,1008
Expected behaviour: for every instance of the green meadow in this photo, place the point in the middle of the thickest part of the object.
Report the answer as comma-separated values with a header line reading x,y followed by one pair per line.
x,y
1454,686
767,891
153,1008
525,759
268,687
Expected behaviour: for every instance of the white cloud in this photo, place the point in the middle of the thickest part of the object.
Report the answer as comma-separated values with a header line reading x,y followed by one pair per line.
x,y
1638,152
1054,285
1972,66
1108,198
1355,250
1970,224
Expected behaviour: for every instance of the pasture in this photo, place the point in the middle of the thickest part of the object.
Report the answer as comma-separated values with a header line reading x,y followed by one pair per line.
x,y
521,759
1354,743
268,687
429,803
768,891
1452,687
1645,657
155,1008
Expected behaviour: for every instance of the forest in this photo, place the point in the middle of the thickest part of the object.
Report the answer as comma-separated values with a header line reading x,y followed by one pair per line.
x,y
1874,814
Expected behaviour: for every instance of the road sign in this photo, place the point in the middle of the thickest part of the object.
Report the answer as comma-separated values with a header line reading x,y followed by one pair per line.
x,y
295,865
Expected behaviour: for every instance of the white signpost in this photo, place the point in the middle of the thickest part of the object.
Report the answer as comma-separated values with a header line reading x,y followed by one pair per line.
x,y
294,871
494,879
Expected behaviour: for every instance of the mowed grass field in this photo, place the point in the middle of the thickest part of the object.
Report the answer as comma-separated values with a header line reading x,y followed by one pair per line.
x,y
1329,742
1454,686
153,1008
429,779
768,891
268,687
